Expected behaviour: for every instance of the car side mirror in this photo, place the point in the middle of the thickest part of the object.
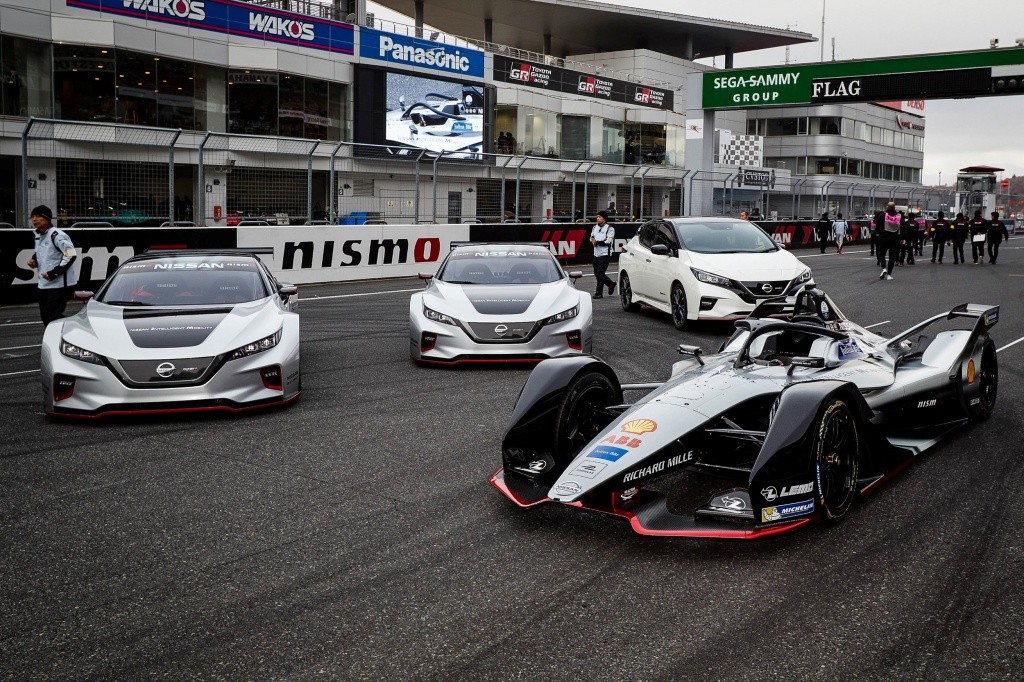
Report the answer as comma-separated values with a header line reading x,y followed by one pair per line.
x,y
575,275
83,295
426,277
802,361
660,250
693,351
285,290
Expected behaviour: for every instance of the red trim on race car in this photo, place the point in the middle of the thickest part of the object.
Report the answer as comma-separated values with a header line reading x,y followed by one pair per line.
x,y
500,484
172,410
726,534
870,487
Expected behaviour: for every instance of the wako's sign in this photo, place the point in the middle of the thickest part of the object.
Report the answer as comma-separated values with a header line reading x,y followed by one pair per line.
x,y
426,54
956,74
235,18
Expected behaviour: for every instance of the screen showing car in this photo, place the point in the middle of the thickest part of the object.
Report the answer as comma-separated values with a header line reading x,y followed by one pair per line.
x,y
724,237
433,116
504,266
185,282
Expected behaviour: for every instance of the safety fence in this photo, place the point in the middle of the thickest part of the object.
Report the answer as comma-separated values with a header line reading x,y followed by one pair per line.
x,y
126,176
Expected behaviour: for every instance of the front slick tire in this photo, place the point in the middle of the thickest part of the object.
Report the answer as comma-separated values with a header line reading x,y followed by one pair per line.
x,y
582,415
836,460
678,301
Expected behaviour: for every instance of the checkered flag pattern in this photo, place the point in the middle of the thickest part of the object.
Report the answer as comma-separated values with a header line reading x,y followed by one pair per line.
x,y
743,150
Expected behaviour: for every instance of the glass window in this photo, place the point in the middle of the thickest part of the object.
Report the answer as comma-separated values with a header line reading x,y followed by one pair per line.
x,y
666,235
827,166
876,135
782,126
136,88
861,132
539,132
575,137
916,176
918,144
854,167
612,141
26,73
787,163
84,83
802,125
252,101
176,96
675,145
211,91
505,121
647,233
316,112
887,171
801,165
751,126
887,137
290,107
847,127
724,237
827,125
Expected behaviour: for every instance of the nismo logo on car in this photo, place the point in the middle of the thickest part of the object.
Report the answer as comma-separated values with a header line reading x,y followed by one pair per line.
x,y
182,9
279,26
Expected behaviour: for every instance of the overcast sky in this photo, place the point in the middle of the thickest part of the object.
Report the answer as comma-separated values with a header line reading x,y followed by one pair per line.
x,y
958,132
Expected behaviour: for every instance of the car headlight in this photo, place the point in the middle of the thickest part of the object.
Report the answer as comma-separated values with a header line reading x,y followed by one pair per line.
x,y
266,343
710,278
804,276
72,351
435,316
564,315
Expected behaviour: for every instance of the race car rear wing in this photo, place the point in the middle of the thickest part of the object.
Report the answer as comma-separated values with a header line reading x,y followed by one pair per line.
x,y
985,316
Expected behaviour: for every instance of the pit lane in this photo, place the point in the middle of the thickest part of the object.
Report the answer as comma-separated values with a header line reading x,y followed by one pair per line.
x,y
354,535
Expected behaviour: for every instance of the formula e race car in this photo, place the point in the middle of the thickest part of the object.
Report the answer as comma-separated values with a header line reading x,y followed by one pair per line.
x,y
799,413
439,123
176,331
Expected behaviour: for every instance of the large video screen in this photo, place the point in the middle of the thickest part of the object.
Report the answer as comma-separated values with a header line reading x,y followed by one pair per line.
x,y
418,117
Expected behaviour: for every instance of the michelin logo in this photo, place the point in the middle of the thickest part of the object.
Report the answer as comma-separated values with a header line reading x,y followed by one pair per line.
x,y
279,26
182,9
435,57
785,511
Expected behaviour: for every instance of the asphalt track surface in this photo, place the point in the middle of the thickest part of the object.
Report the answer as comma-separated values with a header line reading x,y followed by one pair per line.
x,y
354,535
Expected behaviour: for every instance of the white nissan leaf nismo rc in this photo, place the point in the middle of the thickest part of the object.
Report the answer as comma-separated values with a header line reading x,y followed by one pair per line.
x,y
705,269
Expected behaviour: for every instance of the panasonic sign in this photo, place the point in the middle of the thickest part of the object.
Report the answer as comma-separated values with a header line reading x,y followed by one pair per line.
x,y
426,54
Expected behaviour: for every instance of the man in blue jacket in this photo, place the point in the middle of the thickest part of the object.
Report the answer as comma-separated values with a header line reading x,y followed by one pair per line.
x,y
53,257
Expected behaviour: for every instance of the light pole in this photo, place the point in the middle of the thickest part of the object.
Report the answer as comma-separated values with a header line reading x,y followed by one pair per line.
x,y
822,31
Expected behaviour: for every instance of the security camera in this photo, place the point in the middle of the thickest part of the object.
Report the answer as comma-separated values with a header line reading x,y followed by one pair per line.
x,y
994,43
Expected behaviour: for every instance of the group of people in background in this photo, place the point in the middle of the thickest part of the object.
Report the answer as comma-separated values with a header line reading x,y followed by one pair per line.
x,y
896,237
832,231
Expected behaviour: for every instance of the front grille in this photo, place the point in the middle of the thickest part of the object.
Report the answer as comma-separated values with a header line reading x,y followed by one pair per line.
x,y
171,372
757,289
502,332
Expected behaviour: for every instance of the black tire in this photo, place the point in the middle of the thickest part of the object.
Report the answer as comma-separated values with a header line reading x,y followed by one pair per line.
x,y
581,415
836,460
679,309
626,294
988,385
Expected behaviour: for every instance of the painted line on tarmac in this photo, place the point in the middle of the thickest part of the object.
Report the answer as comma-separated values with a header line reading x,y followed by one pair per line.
x,y
34,345
27,371
1012,343
19,324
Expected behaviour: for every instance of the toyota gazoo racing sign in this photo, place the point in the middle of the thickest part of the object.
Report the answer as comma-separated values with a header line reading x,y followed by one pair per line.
x,y
235,18
425,54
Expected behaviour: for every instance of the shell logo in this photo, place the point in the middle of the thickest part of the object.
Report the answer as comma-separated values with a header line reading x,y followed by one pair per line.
x,y
640,426
970,372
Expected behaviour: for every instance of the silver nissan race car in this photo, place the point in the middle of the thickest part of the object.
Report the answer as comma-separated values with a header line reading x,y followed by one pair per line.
x,y
800,413
176,331
499,303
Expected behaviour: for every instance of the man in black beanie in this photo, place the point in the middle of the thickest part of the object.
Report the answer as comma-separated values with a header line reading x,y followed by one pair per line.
x,y
53,258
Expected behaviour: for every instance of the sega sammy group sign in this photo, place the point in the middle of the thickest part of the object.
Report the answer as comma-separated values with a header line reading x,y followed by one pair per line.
x,y
407,51
235,18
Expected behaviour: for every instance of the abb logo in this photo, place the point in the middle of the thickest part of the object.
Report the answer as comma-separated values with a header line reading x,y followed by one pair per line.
x,y
566,247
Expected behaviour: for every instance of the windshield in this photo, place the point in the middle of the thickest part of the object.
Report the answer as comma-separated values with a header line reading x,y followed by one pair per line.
x,y
500,266
724,237
185,281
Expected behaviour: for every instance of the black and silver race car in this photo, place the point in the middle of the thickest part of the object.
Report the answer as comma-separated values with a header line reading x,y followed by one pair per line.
x,y
797,415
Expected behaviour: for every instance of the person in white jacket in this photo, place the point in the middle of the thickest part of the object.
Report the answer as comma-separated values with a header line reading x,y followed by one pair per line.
x,y
840,230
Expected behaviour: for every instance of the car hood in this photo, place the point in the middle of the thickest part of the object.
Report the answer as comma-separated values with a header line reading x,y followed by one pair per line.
x,y
770,266
127,333
505,302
